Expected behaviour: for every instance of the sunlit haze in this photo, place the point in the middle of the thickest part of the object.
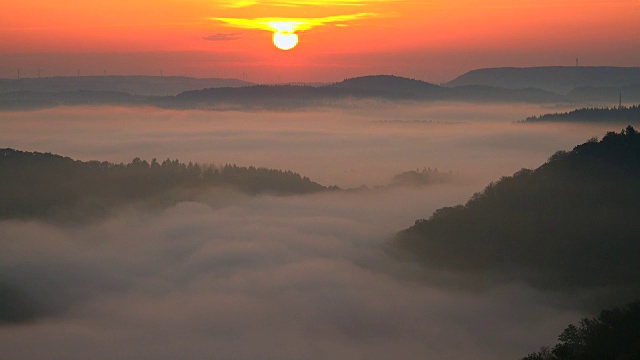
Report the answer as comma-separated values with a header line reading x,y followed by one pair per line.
x,y
432,41
313,180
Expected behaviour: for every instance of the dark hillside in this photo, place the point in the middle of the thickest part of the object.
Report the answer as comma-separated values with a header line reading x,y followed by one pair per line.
x,y
614,334
570,224
45,185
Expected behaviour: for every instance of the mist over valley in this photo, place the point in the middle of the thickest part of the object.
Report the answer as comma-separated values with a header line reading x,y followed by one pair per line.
x,y
339,179
248,274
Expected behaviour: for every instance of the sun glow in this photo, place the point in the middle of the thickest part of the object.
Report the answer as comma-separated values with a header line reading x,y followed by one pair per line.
x,y
284,29
285,40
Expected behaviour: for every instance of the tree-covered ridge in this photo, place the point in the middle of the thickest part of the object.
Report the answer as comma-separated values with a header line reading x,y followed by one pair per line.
x,y
571,224
619,114
42,184
613,335
425,176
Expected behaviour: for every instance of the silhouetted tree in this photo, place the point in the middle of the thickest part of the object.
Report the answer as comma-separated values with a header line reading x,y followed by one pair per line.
x,y
613,335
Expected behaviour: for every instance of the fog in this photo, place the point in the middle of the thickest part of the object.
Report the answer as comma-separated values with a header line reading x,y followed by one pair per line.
x,y
365,145
244,277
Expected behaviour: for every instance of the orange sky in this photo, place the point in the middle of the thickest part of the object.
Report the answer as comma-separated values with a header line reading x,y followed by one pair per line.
x,y
430,40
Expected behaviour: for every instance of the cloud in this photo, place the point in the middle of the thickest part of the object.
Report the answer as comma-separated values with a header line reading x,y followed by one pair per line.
x,y
291,24
245,278
295,3
299,277
224,37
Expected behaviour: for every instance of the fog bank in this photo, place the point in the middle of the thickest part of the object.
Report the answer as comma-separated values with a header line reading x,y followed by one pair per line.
x,y
365,145
261,277
246,277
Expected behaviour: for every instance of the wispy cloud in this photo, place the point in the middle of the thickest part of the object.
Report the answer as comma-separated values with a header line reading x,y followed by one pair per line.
x,y
224,37
246,3
291,24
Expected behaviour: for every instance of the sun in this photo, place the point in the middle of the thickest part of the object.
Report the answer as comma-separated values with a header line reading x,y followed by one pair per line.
x,y
285,40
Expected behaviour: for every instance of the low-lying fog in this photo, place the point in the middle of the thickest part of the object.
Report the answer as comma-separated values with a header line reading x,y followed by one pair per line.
x,y
366,145
298,277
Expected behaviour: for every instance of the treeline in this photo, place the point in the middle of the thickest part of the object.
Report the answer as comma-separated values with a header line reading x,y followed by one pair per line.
x,y
620,114
572,224
613,335
44,184
419,177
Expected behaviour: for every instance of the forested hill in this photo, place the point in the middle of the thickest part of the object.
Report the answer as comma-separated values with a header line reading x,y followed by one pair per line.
x,y
614,335
570,225
623,114
390,83
47,185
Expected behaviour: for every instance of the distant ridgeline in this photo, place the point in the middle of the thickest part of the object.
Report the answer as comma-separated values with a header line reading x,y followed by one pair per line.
x,y
379,87
587,80
621,114
542,85
613,335
135,85
570,225
47,185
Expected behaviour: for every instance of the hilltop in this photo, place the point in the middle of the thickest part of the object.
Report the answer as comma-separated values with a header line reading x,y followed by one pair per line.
x,y
391,84
569,225
34,184
560,79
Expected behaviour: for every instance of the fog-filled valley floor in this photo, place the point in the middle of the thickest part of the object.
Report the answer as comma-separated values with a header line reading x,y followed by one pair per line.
x,y
228,275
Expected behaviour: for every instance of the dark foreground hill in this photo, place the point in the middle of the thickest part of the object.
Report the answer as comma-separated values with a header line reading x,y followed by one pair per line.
x,y
570,225
561,79
45,185
614,335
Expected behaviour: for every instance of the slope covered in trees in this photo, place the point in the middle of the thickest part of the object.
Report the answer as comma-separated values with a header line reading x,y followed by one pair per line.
x,y
570,225
623,114
614,335
38,184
